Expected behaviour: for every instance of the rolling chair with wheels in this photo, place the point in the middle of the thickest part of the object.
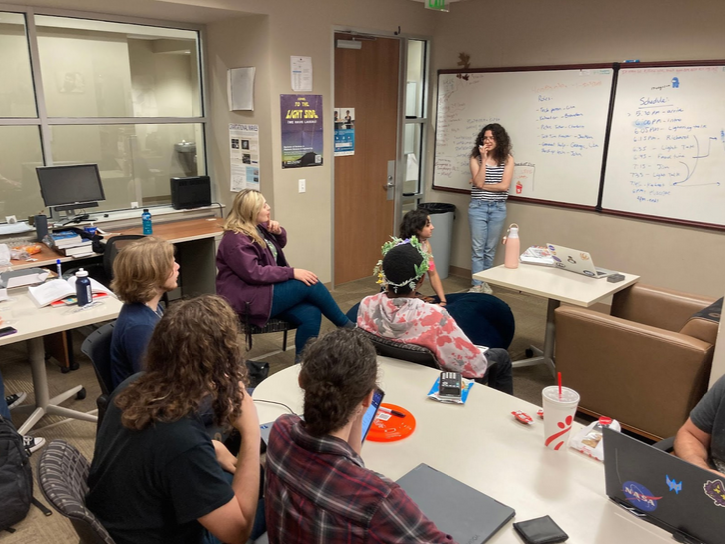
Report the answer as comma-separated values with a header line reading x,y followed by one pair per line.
x,y
63,476
97,347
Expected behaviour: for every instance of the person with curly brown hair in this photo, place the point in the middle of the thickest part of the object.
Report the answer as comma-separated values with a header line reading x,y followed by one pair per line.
x,y
492,169
156,476
317,486
142,272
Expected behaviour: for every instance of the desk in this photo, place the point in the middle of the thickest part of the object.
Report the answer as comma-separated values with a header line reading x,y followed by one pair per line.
x,y
32,324
480,444
558,286
196,251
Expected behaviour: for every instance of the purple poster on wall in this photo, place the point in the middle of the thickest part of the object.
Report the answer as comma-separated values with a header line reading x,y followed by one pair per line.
x,y
302,136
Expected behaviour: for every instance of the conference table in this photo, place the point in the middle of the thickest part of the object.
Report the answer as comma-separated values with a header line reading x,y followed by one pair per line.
x,y
481,444
32,323
557,286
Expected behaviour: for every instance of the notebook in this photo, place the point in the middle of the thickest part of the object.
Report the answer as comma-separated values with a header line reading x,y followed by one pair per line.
x,y
459,510
677,496
577,261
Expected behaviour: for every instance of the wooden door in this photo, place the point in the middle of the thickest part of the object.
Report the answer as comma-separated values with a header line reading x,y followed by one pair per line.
x,y
365,79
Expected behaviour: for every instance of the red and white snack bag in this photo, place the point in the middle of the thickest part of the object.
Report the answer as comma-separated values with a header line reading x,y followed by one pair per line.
x,y
590,441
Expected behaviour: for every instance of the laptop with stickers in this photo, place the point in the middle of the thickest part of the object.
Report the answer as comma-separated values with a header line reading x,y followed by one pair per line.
x,y
675,495
576,261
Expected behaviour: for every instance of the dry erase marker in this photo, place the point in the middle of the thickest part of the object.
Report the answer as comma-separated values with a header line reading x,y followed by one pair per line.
x,y
57,264
393,412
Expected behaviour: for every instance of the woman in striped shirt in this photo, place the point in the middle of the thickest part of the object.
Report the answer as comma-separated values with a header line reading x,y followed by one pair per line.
x,y
492,167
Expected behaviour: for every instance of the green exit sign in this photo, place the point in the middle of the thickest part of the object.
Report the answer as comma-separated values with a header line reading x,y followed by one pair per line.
x,y
438,5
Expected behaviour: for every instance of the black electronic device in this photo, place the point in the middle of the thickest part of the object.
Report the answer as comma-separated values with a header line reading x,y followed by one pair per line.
x,y
371,412
450,385
191,192
71,187
7,330
614,278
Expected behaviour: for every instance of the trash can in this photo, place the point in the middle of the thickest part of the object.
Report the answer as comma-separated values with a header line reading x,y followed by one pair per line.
x,y
441,216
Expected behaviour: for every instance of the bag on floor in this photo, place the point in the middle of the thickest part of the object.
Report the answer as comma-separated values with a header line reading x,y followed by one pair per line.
x,y
16,477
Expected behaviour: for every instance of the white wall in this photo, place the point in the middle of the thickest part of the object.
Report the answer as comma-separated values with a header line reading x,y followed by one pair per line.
x,y
527,33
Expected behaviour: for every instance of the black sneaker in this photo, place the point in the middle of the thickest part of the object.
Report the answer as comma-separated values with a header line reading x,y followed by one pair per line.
x,y
14,400
33,443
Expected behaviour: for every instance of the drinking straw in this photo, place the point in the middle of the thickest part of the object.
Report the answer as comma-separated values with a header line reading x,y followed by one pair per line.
x,y
558,375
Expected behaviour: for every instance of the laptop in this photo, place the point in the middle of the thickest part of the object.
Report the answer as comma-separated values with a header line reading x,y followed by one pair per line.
x,y
577,261
675,495
458,510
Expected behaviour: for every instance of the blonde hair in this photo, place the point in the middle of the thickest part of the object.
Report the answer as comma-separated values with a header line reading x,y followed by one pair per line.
x,y
141,268
243,215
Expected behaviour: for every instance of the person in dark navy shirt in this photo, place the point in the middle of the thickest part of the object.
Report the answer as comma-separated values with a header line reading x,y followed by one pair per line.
x,y
142,272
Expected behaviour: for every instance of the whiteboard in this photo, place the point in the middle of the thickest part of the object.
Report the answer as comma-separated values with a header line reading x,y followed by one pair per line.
x,y
556,119
667,144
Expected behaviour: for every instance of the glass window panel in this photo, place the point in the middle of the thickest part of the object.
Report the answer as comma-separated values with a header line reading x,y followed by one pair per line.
x,y
415,79
412,149
21,154
17,95
103,69
136,161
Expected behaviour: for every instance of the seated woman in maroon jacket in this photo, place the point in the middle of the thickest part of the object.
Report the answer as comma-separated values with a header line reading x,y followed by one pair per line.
x,y
253,274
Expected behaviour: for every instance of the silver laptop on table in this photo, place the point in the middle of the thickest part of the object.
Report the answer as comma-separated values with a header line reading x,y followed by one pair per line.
x,y
577,261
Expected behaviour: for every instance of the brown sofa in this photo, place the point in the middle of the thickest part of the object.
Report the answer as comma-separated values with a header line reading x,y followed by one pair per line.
x,y
646,365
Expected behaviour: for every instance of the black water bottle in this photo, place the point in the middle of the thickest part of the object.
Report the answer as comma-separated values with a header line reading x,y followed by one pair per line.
x,y
83,288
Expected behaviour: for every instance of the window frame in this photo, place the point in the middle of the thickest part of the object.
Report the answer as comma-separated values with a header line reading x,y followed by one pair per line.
x,y
45,123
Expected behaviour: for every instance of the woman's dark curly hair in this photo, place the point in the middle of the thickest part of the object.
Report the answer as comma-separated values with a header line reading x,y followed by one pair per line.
x,y
195,352
399,265
503,143
338,371
413,222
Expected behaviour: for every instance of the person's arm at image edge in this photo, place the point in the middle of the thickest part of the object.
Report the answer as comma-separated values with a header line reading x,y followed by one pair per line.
x,y
233,522
693,444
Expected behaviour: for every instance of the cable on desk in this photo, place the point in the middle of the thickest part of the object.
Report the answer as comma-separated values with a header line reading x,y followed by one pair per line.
x,y
275,402
221,208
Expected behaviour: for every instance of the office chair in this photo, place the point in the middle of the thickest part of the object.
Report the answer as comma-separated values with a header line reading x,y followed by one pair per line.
x,y
97,347
63,476
273,325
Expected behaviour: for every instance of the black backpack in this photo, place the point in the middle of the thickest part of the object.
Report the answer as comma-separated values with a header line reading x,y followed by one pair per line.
x,y
16,477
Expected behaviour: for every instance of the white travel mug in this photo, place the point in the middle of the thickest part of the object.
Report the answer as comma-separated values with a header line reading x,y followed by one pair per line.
x,y
559,412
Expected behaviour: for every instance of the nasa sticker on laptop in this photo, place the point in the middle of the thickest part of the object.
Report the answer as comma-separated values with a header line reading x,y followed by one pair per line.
x,y
640,497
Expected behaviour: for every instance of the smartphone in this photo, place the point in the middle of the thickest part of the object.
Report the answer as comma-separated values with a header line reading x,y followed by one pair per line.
x,y
7,330
371,412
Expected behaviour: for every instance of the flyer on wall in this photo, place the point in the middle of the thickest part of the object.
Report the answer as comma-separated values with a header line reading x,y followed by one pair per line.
x,y
244,156
302,130
344,131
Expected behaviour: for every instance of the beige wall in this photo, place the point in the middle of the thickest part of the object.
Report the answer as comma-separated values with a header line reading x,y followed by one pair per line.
x,y
292,28
567,32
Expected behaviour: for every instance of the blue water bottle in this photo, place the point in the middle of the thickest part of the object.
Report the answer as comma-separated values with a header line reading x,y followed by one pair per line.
x,y
148,229
83,288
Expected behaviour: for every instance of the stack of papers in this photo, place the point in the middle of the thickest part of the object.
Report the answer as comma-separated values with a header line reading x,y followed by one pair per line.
x,y
537,255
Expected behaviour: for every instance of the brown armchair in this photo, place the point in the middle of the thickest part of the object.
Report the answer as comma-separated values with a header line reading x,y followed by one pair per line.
x,y
646,365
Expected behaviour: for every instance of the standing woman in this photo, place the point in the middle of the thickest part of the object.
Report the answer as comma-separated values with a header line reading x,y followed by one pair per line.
x,y
253,274
492,168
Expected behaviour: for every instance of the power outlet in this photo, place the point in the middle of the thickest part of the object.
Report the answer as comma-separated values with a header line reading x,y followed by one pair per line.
x,y
302,185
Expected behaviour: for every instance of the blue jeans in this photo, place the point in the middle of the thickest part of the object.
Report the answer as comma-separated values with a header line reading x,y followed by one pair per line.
x,y
4,410
486,221
304,306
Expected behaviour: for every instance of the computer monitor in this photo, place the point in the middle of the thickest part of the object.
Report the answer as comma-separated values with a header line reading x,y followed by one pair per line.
x,y
71,187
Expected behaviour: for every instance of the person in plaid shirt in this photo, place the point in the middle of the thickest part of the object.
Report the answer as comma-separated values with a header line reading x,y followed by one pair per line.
x,y
317,486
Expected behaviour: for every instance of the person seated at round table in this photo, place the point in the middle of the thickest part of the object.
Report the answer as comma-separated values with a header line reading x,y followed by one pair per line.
x,y
156,475
486,320
701,440
398,314
142,272
317,486
253,274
